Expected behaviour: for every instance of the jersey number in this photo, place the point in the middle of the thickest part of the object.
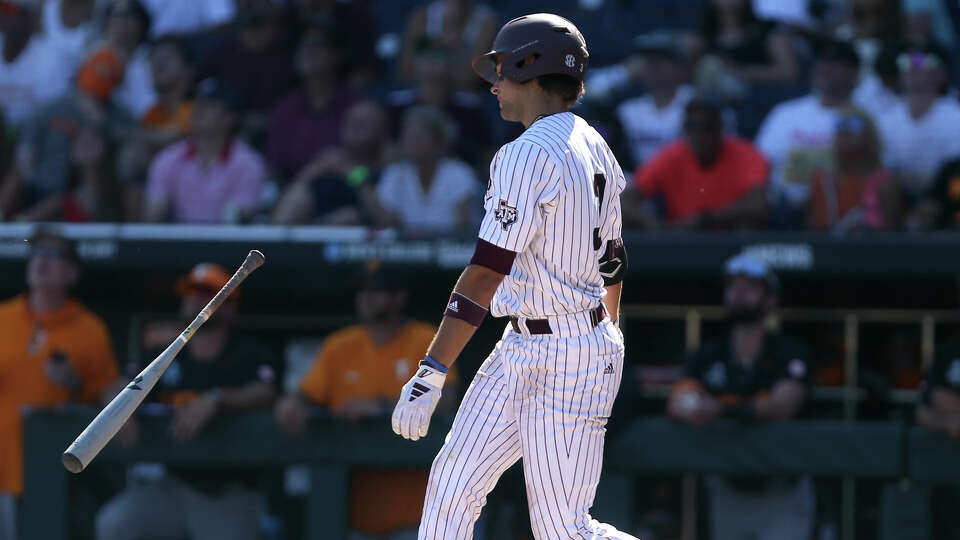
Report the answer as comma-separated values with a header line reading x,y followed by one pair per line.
x,y
599,185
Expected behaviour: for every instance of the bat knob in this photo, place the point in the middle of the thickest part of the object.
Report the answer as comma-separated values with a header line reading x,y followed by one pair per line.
x,y
71,462
255,259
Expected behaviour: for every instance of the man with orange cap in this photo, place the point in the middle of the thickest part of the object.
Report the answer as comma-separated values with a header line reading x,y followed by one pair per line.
x,y
219,371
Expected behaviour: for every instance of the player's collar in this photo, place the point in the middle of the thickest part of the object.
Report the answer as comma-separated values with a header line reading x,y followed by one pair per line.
x,y
540,116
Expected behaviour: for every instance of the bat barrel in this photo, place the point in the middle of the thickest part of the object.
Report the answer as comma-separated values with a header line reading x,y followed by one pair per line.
x,y
116,413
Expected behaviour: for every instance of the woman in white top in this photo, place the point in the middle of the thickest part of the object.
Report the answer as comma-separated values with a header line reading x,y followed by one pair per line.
x,y
428,190
920,131
69,24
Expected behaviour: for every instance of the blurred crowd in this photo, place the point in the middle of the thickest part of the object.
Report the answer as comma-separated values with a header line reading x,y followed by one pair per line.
x,y
830,115
839,116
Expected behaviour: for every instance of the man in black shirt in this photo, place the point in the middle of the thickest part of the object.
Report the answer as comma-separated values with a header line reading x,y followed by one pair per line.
x,y
939,407
217,372
939,410
751,374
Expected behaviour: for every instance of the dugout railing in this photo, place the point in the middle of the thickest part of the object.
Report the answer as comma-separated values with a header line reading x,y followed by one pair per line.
x,y
886,451
129,268
847,396
847,449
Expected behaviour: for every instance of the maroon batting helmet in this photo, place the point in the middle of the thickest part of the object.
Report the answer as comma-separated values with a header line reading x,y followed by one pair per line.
x,y
554,43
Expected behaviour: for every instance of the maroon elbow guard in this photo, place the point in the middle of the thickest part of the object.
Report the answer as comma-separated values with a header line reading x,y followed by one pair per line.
x,y
465,309
493,257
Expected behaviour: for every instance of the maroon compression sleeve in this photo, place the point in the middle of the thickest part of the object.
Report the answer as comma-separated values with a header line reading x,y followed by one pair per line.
x,y
492,256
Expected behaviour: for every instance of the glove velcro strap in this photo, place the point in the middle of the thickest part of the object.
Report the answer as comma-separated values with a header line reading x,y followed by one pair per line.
x,y
431,377
432,362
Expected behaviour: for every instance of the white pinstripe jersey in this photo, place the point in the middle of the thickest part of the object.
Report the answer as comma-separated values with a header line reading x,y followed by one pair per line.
x,y
554,199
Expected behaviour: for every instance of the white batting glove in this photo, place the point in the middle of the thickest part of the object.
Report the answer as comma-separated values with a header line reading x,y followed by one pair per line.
x,y
418,399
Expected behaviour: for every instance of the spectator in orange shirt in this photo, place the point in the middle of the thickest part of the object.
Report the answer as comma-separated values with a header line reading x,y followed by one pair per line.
x,y
707,180
358,373
53,351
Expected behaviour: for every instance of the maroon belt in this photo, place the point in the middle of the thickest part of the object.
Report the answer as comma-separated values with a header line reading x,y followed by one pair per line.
x,y
542,326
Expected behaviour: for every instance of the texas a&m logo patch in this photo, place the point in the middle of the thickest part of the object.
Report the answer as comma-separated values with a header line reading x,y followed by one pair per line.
x,y
505,214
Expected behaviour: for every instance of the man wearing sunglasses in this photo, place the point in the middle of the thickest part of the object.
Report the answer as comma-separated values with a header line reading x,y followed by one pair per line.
x,y
53,351
919,132
749,375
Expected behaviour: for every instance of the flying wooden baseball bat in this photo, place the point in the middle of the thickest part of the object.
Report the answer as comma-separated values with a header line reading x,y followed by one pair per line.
x,y
116,413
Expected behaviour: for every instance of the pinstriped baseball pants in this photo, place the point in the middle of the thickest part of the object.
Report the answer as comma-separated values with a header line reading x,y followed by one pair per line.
x,y
542,398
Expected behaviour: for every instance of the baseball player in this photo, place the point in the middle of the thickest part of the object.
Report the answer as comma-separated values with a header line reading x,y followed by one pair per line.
x,y
550,258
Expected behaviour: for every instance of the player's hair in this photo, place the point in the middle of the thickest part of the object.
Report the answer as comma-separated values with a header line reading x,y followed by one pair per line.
x,y
566,87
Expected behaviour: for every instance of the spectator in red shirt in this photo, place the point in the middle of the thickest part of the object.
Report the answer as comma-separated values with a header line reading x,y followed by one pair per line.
x,y
707,180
